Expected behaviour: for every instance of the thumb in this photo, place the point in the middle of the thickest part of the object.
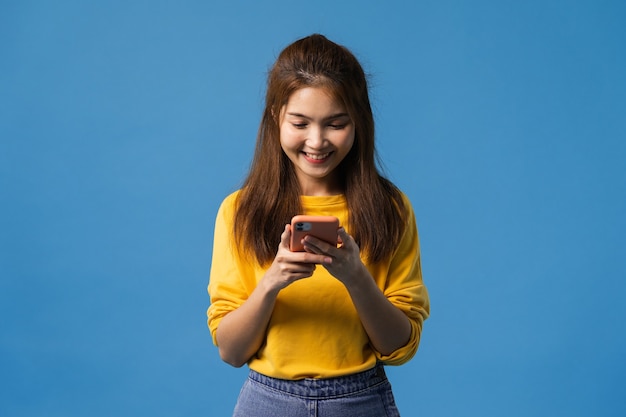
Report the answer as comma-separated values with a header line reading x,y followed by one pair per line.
x,y
344,237
285,237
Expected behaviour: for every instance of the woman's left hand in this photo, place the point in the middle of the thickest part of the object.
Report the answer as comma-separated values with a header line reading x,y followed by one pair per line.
x,y
387,327
346,264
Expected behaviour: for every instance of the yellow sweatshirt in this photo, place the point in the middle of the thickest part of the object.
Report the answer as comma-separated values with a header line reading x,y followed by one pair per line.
x,y
314,331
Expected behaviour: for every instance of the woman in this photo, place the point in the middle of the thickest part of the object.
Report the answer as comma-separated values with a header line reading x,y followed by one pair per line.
x,y
316,327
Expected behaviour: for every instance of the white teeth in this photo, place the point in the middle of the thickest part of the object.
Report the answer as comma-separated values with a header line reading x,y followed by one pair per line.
x,y
318,156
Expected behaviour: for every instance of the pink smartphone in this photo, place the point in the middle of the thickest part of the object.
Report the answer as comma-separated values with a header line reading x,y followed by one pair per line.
x,y
322,227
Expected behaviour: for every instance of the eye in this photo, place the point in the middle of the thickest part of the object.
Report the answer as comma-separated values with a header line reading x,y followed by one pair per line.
x,y
299,125
337,126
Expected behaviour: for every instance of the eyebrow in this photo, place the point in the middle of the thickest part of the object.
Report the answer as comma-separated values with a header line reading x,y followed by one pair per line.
x,y
331,117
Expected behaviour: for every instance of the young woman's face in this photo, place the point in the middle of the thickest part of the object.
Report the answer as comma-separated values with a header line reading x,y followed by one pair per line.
x,y
316,133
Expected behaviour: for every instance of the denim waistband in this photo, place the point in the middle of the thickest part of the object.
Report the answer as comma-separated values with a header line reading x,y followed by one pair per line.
x,y
324,387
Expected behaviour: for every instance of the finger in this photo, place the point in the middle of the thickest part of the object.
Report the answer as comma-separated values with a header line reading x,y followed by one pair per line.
x,y
301,270
320,246
315,245
316,257
285,236
341,232
305,269
344,237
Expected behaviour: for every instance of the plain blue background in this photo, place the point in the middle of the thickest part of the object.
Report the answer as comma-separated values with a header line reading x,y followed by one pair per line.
x,y
123,124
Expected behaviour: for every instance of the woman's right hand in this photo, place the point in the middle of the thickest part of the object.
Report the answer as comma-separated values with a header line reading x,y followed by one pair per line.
x,y
242,331
289,266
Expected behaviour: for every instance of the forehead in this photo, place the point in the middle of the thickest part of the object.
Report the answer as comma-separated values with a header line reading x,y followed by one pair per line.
x,y
316,99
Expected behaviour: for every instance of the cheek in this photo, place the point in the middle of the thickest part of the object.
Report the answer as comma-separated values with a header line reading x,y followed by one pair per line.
x,y
347,140
287,143
290,140
283,137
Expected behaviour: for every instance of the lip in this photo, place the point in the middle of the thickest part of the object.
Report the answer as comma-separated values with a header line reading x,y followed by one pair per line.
x,y
316,158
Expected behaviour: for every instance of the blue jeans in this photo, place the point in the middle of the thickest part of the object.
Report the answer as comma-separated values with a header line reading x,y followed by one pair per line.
x,y
363,394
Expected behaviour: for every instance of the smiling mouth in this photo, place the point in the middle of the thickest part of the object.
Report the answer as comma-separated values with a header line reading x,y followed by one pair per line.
x,y
318,157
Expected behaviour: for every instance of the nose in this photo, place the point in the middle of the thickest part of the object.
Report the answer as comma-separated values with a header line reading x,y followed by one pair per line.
x,y
315,138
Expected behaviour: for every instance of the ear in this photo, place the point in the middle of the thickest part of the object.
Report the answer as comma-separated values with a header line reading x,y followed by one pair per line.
x,y
275,115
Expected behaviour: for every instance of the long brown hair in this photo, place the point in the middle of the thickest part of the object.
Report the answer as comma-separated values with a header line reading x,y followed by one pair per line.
x,y
270,195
